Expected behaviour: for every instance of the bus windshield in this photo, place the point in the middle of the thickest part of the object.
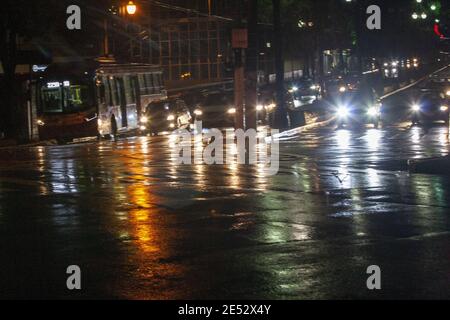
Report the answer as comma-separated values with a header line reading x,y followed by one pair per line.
x,y
68,98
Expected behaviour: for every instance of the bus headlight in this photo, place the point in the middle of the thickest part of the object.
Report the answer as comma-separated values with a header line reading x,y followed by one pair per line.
x,y
232,111
144,119
171,117
444,108
40,123
198,112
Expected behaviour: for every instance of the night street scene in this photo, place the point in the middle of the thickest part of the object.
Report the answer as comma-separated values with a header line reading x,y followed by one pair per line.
x,y
245,150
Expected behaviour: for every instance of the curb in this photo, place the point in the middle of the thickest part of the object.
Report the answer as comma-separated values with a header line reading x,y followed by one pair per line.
x,y
295,131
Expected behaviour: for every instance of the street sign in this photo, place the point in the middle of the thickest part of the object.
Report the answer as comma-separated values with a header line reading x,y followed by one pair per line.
x,y
240,39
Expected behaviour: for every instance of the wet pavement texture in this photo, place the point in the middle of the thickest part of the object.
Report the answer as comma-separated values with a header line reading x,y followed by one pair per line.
x,y
142,227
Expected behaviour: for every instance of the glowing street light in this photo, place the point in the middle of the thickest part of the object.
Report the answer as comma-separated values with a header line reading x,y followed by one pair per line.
x,y
131,8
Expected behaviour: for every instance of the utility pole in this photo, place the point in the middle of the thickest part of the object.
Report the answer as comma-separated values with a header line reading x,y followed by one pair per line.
x,y
239,43
251,98
281,120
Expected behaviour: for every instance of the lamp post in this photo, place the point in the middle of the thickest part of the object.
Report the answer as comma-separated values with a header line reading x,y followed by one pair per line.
x,y
131,8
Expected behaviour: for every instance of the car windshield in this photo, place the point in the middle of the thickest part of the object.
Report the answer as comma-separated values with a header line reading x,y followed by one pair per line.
x,y
65,98
160,107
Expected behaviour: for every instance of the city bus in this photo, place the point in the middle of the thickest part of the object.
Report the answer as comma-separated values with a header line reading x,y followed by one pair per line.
x,y
89,99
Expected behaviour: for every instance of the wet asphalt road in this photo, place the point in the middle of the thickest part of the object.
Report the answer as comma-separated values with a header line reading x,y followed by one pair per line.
x,y
142,227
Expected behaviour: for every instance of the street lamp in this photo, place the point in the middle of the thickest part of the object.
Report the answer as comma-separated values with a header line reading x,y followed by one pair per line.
x,y
131,8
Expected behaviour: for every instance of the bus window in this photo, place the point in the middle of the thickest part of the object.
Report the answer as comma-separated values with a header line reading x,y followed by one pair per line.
x,y
77,98
51,100
108,96
114,92
143,85
100,90
149,83
130,93
157,81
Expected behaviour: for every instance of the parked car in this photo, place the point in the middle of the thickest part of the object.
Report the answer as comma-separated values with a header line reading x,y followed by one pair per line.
x,y
165,116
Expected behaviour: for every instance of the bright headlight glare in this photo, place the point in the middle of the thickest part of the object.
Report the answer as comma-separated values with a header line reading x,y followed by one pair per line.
x,y
416,107
444,108
342,111
171,117
259,107
198,112
342,89
40,122
144,119
448,93
372,111
232,111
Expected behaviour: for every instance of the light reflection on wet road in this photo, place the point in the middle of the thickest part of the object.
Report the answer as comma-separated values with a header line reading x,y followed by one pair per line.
x,y
141,226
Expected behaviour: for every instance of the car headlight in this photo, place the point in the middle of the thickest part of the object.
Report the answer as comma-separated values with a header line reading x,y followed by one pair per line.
x,y
198,112
342,89
172,125
143,128
448,93
444,108
259,107
232,111
343,111
40,122
144,119
171,117
416,107
373,111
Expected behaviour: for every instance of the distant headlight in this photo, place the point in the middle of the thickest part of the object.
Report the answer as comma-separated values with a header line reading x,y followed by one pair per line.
x,y
342,89
270,107
448,93
198,112
144,119
259,107
172,125
416,107
143,128
171,117
232,111
40,122
343,112
373,111
444,108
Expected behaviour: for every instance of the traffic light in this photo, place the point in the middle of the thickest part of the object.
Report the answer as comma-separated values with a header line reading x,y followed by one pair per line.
x,y
442,31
